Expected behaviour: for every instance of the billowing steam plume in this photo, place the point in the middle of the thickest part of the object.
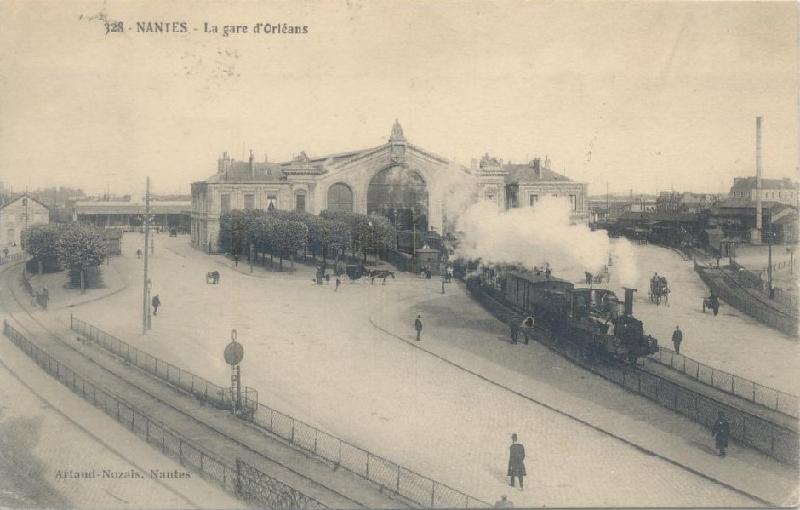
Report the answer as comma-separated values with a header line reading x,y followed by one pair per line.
x,y
533,236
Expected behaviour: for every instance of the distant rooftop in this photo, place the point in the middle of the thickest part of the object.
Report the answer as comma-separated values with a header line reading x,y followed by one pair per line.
x,y
749,183
156,207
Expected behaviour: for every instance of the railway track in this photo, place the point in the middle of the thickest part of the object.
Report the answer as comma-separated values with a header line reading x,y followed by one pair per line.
x,y
587,423
28,323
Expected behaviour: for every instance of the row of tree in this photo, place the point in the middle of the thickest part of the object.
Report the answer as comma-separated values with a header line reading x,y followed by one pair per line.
x,y
71,246
282,234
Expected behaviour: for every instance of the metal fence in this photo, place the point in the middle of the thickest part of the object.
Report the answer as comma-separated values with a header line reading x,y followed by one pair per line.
x,y
751,430
201,388
21,255
771,398
238,478
388,475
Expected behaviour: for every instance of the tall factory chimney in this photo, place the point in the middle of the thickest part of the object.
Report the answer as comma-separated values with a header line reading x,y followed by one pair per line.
x,y
759,217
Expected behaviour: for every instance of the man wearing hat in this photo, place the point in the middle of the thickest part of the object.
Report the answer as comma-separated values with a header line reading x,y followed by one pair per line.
x,y
418,325
516,464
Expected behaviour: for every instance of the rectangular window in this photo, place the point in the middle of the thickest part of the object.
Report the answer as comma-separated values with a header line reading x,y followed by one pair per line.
x,y
573,202
300,202
225,203
249,201
533,199
272,201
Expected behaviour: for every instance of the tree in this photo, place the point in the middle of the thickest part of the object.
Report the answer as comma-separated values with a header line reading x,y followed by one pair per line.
x,y
290,236
79,248
40,242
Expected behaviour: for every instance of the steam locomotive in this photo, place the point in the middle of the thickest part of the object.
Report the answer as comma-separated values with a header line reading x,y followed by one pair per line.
x,y
594,319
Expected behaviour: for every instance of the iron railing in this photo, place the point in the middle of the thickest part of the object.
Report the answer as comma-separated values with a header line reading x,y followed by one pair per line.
x,y
390,476
774,440
770,398
201,388
238,478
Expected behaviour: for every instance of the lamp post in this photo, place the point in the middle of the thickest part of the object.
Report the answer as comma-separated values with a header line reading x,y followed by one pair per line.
x,y
146,322
371,239
396,231
770,235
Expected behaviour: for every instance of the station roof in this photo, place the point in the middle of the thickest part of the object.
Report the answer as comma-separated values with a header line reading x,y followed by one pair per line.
x,y
112,208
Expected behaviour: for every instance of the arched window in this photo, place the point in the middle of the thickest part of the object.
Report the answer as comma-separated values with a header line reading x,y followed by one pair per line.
x,y
340,198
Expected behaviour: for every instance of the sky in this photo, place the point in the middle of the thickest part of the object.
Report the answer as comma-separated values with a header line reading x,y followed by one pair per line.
x,y
645,96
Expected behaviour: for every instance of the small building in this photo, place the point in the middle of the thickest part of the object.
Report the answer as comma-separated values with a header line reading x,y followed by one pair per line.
x,y
112,237
128,215
737,220
511,186
19,214
782,191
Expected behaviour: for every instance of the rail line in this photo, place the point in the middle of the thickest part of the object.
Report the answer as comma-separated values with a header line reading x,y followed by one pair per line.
x,y
10,286
90,434
571,416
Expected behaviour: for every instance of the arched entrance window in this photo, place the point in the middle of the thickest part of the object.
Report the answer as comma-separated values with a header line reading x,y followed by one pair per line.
x,y
340,198
400,194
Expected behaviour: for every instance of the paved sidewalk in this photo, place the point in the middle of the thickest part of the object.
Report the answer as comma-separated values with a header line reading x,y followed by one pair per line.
x,y
219,433
459,330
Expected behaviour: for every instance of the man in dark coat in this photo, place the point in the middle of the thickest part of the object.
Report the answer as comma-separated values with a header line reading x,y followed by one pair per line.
x,y
156,303
721,431
516,464
714,303
677,338
418,326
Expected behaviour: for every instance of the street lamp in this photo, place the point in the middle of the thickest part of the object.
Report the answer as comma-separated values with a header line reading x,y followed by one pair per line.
x,y
770,235
396,231
371,239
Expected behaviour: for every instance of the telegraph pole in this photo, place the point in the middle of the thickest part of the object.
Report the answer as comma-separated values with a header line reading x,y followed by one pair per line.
x,y
146,288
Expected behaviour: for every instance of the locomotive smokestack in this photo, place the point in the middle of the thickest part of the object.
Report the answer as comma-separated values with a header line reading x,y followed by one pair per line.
x,y
629,301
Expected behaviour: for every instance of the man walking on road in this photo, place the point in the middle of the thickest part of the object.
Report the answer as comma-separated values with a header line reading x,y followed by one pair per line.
x,y
156,303
721,431
516,464
338,282
418,326
677,338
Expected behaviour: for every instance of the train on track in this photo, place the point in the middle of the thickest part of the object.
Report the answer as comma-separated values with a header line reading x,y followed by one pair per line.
x,y
594,319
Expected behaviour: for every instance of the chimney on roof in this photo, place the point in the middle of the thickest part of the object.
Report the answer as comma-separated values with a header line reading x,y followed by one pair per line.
x,y
223,163
252,164
536,164
759,214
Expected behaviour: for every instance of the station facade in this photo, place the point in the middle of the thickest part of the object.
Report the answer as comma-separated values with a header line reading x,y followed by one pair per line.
x,y
398,179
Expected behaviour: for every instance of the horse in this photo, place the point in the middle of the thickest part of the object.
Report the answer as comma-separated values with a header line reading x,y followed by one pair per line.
x,y
212,277
659,290
380,273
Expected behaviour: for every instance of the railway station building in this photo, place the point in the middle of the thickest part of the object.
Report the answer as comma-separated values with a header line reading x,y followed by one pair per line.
x,y
397,179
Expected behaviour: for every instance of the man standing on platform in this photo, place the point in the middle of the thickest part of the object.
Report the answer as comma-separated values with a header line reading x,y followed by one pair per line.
x,y
516,464
677,338
721,431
